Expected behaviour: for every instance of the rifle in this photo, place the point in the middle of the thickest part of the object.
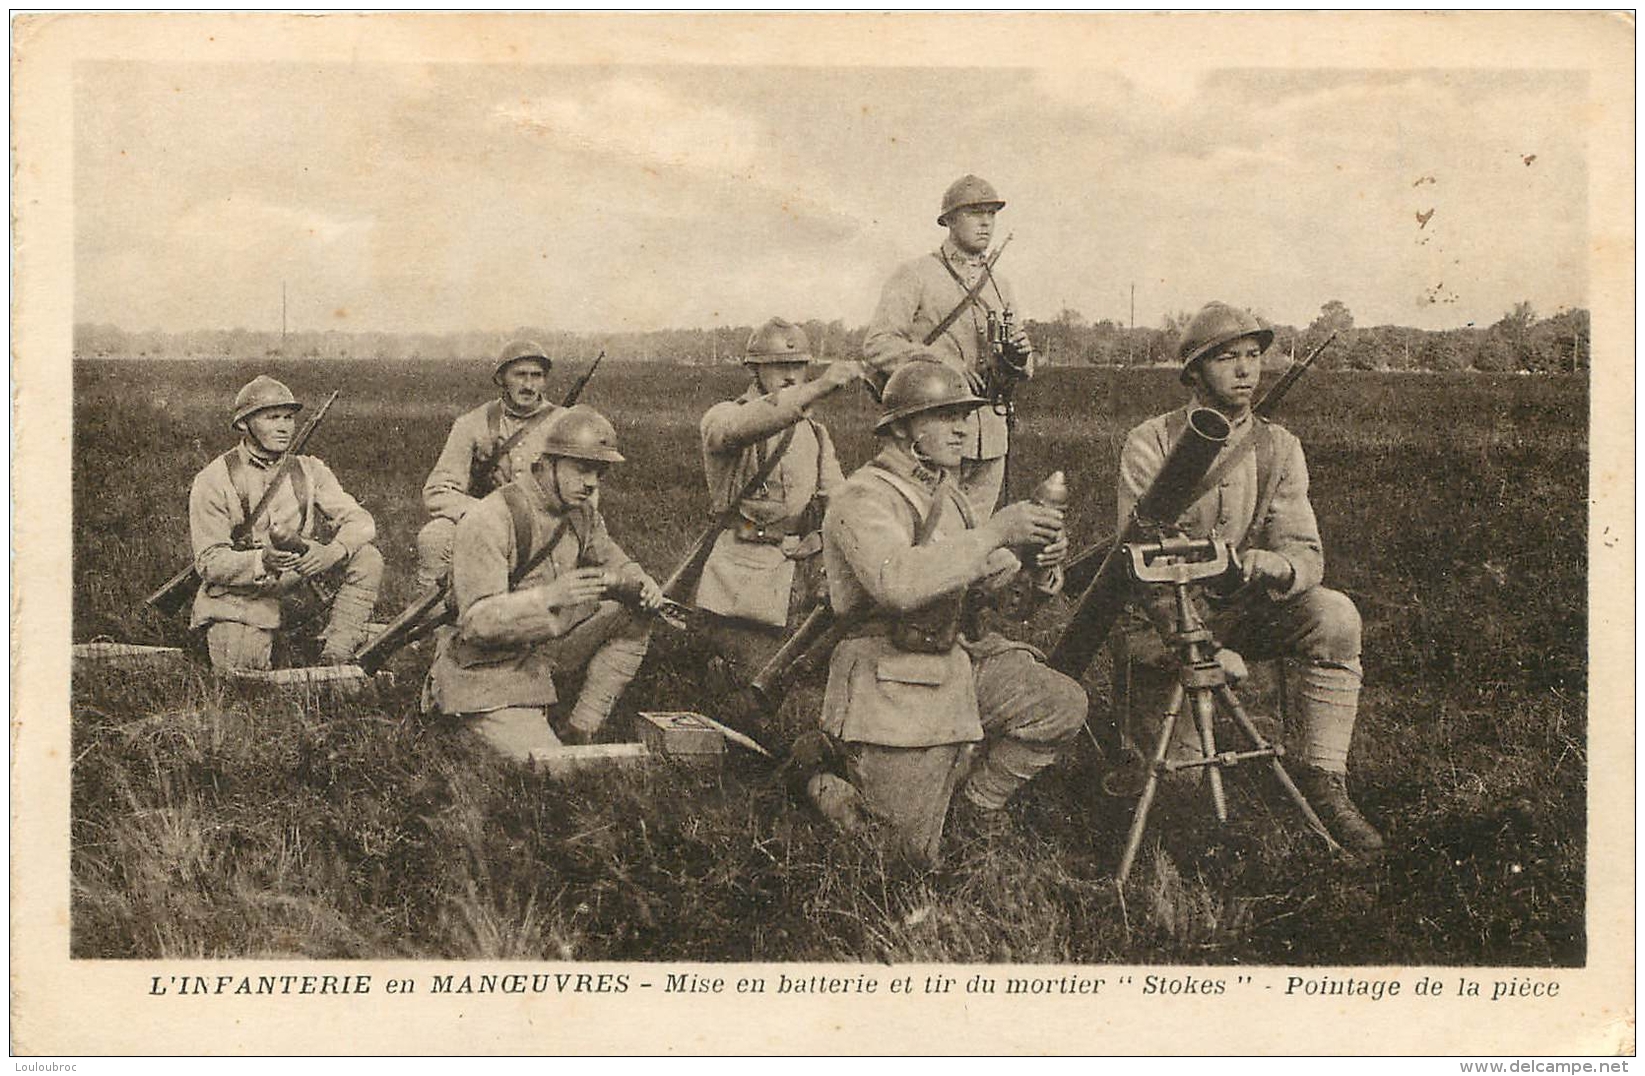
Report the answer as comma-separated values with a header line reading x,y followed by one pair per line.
x,y
414,620
180,588
1083,565
683,581
482,478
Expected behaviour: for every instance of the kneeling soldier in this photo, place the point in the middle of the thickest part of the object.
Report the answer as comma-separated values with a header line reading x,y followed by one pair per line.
x,y
907,693
1261,506
485,449
765,568
532,570
247,592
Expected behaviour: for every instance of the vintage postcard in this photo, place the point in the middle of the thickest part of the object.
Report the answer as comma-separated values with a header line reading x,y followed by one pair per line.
x,y
839,533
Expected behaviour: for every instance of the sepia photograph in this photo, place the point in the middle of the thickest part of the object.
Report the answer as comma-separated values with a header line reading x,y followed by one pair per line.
x,y
610,505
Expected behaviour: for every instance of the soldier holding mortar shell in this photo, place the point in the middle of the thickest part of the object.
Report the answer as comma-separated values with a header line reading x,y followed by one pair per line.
x,y
910,694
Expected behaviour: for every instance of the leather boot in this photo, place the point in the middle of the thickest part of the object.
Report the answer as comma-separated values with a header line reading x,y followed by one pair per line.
x,y
1328,793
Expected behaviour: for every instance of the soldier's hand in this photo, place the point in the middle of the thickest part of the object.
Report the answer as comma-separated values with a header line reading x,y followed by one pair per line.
x,y
276,561
1233,665
575,587
840,373
1026,524
1021,346
319,557
1055,554
1268,568
651,593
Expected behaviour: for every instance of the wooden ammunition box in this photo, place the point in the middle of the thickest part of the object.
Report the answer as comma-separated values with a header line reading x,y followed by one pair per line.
x,y
680,734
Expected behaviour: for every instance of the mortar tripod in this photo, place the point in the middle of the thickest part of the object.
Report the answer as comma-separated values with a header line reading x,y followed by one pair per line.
x,y
1203,684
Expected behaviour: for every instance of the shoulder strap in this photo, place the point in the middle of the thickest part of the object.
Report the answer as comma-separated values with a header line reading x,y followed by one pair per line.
x,y
531,422
300,490
1267,450
925,526
761,472
237,478
514,497
520,513
817,436
959,308
494,421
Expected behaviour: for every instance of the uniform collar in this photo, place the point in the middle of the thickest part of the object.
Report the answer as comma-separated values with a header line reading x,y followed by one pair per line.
x,y
513,412
894,457
254,458
956,256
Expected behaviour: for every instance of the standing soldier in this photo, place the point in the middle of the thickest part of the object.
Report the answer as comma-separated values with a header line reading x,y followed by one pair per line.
x,y
486,448
764,568
924,294
239,602
908,694
1261,507
532,573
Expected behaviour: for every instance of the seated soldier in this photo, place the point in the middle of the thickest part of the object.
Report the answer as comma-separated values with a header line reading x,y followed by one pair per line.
x,y
249,589
1261,507
533,575
764,569
485,449
908,695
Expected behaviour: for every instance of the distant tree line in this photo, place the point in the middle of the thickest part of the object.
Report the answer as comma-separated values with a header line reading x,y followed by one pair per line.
x,y
1520,341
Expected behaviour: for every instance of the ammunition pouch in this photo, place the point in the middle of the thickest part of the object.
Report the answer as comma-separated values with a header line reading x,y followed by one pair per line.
x,y
482,475
934,629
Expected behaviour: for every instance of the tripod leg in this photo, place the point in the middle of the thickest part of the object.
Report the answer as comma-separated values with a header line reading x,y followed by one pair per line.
x,y
1231,701
1139,820
1205,713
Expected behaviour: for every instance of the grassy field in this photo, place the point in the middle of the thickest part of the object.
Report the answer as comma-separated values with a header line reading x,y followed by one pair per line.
x,y
211,821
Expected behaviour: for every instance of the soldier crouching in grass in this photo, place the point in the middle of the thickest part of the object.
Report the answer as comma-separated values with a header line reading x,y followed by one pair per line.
x,y
485,449
248,590
533,570
908,695
765,568
1261,507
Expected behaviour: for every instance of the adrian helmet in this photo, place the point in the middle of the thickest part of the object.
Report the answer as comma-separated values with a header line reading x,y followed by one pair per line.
x,y
965,191
259,394
778,341
1215,325
582,433
516,351
924,383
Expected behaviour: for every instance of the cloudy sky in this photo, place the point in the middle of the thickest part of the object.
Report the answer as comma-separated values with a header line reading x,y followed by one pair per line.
x,y
481,196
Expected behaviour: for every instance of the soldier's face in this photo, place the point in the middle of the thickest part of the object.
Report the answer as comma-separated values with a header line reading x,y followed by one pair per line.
x,y
972,228
938,436
578,480
524,384
1227,378
273,428
775,376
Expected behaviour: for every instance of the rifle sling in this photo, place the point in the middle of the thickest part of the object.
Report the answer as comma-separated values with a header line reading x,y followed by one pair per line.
x,y
237,477
971,295
520,513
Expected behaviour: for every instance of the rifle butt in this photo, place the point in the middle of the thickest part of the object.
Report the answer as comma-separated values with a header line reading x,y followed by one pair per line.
x,y
175,592
418,617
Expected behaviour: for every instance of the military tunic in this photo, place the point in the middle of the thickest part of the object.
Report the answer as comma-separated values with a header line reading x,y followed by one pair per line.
x,y
914,301
751,571
1303,618
507,641
907,717
233,585
447,494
